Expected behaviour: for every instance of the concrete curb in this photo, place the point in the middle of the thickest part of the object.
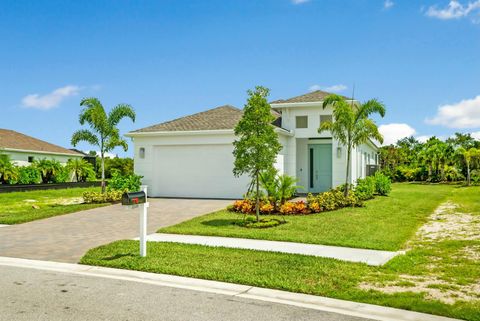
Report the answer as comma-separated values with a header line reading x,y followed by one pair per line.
x,y
275,296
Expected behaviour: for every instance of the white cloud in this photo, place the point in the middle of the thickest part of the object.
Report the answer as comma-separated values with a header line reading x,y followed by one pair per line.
x,y
299,1
388,4
476,135
454,10
464,114
395,131
51,100
334,88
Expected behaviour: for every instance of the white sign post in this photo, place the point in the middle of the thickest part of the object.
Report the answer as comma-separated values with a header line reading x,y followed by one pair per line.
x,y
143,224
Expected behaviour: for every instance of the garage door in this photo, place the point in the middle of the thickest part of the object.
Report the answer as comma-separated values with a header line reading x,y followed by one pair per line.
x,y
203,171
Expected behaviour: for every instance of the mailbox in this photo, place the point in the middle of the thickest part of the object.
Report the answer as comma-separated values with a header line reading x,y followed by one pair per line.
x,y
134,198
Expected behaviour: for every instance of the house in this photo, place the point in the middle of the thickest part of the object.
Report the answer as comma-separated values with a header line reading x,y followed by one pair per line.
x,y
24,149
192,156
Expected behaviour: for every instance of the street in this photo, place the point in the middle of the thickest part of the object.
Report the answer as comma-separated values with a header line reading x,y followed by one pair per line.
x,y
31,294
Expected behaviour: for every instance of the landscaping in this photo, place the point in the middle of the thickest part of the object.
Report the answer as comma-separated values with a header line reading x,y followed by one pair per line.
x,y
439,273
370,226
21,207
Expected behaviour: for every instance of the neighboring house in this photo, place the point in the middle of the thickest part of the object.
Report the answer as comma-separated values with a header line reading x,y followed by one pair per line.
x,y
23,149
192,156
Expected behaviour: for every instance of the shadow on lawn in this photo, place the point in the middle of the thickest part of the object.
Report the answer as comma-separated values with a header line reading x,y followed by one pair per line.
x,y
118,256
220,222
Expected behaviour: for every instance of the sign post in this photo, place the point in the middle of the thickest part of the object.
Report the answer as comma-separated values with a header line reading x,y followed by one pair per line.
x,y
143,224
139,200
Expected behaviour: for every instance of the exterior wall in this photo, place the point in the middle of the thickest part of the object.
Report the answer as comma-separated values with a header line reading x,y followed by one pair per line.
x,y
362,156
21,158
152,166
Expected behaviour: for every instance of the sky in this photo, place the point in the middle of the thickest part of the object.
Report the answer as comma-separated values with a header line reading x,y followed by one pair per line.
x,y
172,58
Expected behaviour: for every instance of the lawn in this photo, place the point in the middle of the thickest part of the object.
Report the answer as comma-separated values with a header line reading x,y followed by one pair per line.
x,y
21,207
384,223
440,273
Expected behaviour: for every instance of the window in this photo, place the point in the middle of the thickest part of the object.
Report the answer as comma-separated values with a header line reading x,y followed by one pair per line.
x,y
301,122
324,118
141,152
30,159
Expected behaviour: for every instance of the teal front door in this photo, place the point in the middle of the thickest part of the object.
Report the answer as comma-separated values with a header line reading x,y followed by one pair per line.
x,y
320,167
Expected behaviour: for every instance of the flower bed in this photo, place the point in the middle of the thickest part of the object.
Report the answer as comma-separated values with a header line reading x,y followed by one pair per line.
x,y
327,201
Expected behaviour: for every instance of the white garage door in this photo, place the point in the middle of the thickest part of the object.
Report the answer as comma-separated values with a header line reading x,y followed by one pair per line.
x,y
203,171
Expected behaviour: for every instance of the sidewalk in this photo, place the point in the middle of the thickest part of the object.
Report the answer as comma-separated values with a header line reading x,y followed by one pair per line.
x,y
370,257
362,310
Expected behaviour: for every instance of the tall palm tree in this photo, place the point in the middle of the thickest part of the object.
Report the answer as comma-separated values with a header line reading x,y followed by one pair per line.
x,y
103,132
470,156
351,124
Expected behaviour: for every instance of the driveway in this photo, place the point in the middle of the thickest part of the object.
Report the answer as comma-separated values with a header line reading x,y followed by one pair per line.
x,y
67,237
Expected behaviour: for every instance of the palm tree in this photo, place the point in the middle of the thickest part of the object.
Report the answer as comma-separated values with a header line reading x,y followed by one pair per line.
x,y
351,125
48,169
470,157
103,132
80,168
8,171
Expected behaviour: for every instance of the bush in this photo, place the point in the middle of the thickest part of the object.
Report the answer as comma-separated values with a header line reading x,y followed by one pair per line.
x,y
127,183
365,188
383,184
29,175
97,197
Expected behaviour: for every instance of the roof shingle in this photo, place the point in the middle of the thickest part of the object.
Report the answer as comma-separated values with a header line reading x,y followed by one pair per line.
x,y
314,96
10,139
223,117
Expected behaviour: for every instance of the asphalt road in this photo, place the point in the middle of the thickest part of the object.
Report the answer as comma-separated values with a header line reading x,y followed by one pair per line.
x,y
30,294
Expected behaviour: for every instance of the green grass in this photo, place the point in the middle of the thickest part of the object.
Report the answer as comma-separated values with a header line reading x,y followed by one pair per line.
x,y
441,261
385,223
18,208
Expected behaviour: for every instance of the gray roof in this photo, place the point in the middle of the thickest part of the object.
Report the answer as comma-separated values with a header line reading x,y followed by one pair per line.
x,y
314,96
223,117
10,139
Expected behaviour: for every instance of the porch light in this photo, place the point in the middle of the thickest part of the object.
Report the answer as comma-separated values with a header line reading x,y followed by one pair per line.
x,y
339,152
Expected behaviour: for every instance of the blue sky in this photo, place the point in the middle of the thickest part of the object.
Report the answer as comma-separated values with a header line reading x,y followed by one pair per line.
x,y
172,58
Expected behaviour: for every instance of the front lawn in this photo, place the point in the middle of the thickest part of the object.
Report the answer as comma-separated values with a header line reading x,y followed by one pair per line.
x,y
21,207
385,223
439,274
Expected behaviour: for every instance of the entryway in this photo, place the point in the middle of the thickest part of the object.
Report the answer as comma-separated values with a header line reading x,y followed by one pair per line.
x,y
320,167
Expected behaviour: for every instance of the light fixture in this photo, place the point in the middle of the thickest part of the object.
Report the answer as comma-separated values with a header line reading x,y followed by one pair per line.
x,y
339,152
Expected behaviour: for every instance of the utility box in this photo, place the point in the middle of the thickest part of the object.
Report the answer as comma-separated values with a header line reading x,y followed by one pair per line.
x,y
371,169
134,198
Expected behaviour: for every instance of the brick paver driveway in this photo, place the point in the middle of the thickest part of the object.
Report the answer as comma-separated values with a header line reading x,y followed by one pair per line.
x,y
66,238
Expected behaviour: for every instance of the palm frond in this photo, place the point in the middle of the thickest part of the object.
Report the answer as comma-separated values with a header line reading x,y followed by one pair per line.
x,y
119,112
86,136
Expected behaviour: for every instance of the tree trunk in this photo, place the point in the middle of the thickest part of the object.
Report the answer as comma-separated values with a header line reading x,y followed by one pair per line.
x,y
257,205
345,192
468,174
103,172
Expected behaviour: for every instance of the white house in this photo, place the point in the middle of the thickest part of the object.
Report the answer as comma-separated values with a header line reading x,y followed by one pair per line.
x,y
192,156
24,149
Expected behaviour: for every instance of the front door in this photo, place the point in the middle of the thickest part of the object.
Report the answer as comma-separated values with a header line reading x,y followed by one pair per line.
x,y
320,168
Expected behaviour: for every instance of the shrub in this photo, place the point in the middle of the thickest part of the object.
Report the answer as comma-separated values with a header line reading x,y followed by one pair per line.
x,y
383,184
475,176
28,175
267,208
97,197
287,208
127,183
365,188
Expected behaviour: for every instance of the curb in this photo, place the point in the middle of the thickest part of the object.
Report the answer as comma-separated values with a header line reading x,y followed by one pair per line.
x,y
355,309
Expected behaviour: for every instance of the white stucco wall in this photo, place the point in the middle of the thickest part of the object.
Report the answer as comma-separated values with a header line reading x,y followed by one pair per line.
x,y
21,158
192,165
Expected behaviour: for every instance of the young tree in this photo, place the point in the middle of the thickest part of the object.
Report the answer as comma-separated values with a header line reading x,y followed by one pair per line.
x,y
8,170
103,132
470,157
257,145
351,125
